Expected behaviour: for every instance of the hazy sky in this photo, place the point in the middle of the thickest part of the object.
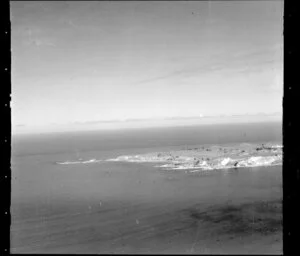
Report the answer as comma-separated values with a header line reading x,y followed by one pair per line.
x,y
88,61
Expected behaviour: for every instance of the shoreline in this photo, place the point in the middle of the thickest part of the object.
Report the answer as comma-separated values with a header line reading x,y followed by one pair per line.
x,y
210,157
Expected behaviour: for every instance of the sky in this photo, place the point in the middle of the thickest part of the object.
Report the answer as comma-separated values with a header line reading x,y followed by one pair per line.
x,y
83,62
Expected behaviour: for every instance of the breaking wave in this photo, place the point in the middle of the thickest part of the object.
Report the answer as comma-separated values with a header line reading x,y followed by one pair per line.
x,y
184,162
137,159
244,155
226,163
80,162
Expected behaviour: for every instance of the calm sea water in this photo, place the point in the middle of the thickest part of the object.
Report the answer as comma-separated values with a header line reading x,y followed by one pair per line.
x,y
130,140
44,193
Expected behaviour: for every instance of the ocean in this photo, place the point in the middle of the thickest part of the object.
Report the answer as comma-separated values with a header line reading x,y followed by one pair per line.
x,y
122,207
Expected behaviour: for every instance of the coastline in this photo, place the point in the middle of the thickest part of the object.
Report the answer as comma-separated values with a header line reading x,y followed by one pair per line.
x,y
91,205
210,157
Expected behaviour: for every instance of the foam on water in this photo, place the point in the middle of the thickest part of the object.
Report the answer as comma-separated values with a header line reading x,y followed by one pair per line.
x,y
270,155
204,158
227,163
80,162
